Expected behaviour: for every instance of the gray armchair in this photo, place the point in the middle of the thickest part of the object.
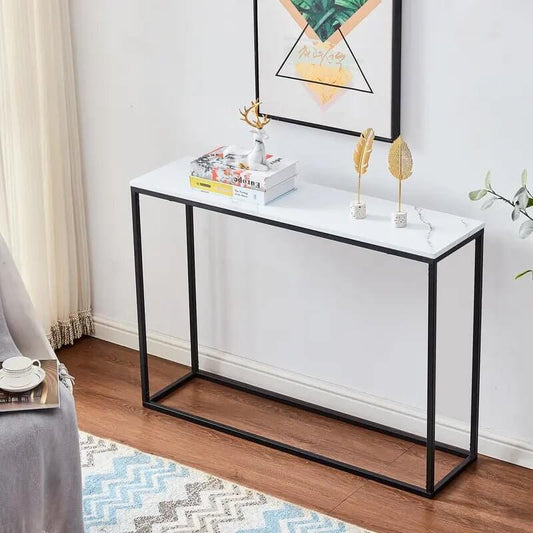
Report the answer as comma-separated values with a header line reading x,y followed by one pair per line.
x,y
40,472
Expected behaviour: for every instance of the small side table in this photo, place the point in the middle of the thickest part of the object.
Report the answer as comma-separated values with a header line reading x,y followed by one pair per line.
x,y
430,238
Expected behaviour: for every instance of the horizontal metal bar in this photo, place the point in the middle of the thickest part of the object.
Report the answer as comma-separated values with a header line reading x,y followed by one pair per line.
x,y
159,395
450,475
264,441
343,417
275,223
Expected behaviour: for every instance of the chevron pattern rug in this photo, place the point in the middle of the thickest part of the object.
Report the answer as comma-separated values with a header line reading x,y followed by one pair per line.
x,y
128,491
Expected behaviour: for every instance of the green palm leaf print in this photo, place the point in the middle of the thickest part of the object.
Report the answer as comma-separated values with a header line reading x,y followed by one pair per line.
x,y
327,16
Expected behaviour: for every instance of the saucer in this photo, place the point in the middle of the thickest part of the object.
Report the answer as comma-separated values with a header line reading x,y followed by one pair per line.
x,y
36,378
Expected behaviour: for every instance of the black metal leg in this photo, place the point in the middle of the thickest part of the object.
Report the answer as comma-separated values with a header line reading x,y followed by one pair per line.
x,y
431,378
476,345
193,319
139,284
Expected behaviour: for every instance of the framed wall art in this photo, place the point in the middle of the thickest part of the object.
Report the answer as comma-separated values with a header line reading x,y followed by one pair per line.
x,y
330,64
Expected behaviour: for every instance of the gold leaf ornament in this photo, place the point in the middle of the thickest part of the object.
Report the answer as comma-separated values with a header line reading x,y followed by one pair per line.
x,y
400,164
361,156
400,159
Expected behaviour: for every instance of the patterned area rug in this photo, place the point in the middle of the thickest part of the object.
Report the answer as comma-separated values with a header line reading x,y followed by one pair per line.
x,y
125,490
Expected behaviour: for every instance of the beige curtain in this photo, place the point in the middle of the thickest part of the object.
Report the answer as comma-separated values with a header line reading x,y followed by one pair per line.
x,y
41,196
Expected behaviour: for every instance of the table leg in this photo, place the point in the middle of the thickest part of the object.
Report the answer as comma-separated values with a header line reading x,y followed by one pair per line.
x,y
476,345
431,377
139,283
193,319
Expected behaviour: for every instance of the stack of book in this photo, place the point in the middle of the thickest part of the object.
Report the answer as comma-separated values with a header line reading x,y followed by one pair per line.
x,y
213,173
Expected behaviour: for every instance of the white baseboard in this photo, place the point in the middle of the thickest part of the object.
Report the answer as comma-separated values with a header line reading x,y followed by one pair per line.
x,y
316,391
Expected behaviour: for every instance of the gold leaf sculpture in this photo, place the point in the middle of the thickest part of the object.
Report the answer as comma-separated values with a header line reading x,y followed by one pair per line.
x,y
361,156
400,164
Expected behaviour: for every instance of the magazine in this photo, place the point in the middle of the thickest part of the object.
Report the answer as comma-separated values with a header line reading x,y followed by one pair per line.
x,y
217,167
44,396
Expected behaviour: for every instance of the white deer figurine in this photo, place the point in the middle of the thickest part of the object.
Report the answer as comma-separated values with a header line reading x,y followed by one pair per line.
x,y
254,159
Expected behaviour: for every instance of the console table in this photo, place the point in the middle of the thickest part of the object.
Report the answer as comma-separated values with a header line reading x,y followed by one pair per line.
x,y
323,212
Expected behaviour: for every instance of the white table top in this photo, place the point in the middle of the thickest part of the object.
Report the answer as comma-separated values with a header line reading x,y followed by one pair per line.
x,y
429,234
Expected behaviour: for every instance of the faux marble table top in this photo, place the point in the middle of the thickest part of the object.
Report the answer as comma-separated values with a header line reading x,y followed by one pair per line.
x,y
429,234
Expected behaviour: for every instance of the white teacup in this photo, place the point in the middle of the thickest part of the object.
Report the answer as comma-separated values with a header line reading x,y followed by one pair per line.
x,y
19,369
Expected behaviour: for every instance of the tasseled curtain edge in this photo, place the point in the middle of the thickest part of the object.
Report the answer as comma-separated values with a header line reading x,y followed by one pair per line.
x,y
68,331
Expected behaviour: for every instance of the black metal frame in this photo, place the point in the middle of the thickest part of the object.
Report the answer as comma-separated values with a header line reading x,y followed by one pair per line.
x,y
395,82
152,401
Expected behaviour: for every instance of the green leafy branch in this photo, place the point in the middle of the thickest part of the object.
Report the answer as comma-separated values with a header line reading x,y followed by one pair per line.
x,y
521,202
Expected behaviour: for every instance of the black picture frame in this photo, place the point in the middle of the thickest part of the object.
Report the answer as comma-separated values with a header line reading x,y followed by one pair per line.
x,y
396,78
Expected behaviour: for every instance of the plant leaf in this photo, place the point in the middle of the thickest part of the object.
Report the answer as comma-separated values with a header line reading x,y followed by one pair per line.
x,y
361,156
515,215
524,177
518,276
487,180
526,229
488,203
521,198
477,195
400,159
326,16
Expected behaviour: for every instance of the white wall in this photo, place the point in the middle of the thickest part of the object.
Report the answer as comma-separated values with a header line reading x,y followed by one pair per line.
x,y
161,79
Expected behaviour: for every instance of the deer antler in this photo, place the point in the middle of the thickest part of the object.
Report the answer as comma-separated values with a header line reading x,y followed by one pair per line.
x,y
260,121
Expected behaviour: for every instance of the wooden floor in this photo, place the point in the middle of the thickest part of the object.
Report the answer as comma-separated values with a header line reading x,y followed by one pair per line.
x,y
491,496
